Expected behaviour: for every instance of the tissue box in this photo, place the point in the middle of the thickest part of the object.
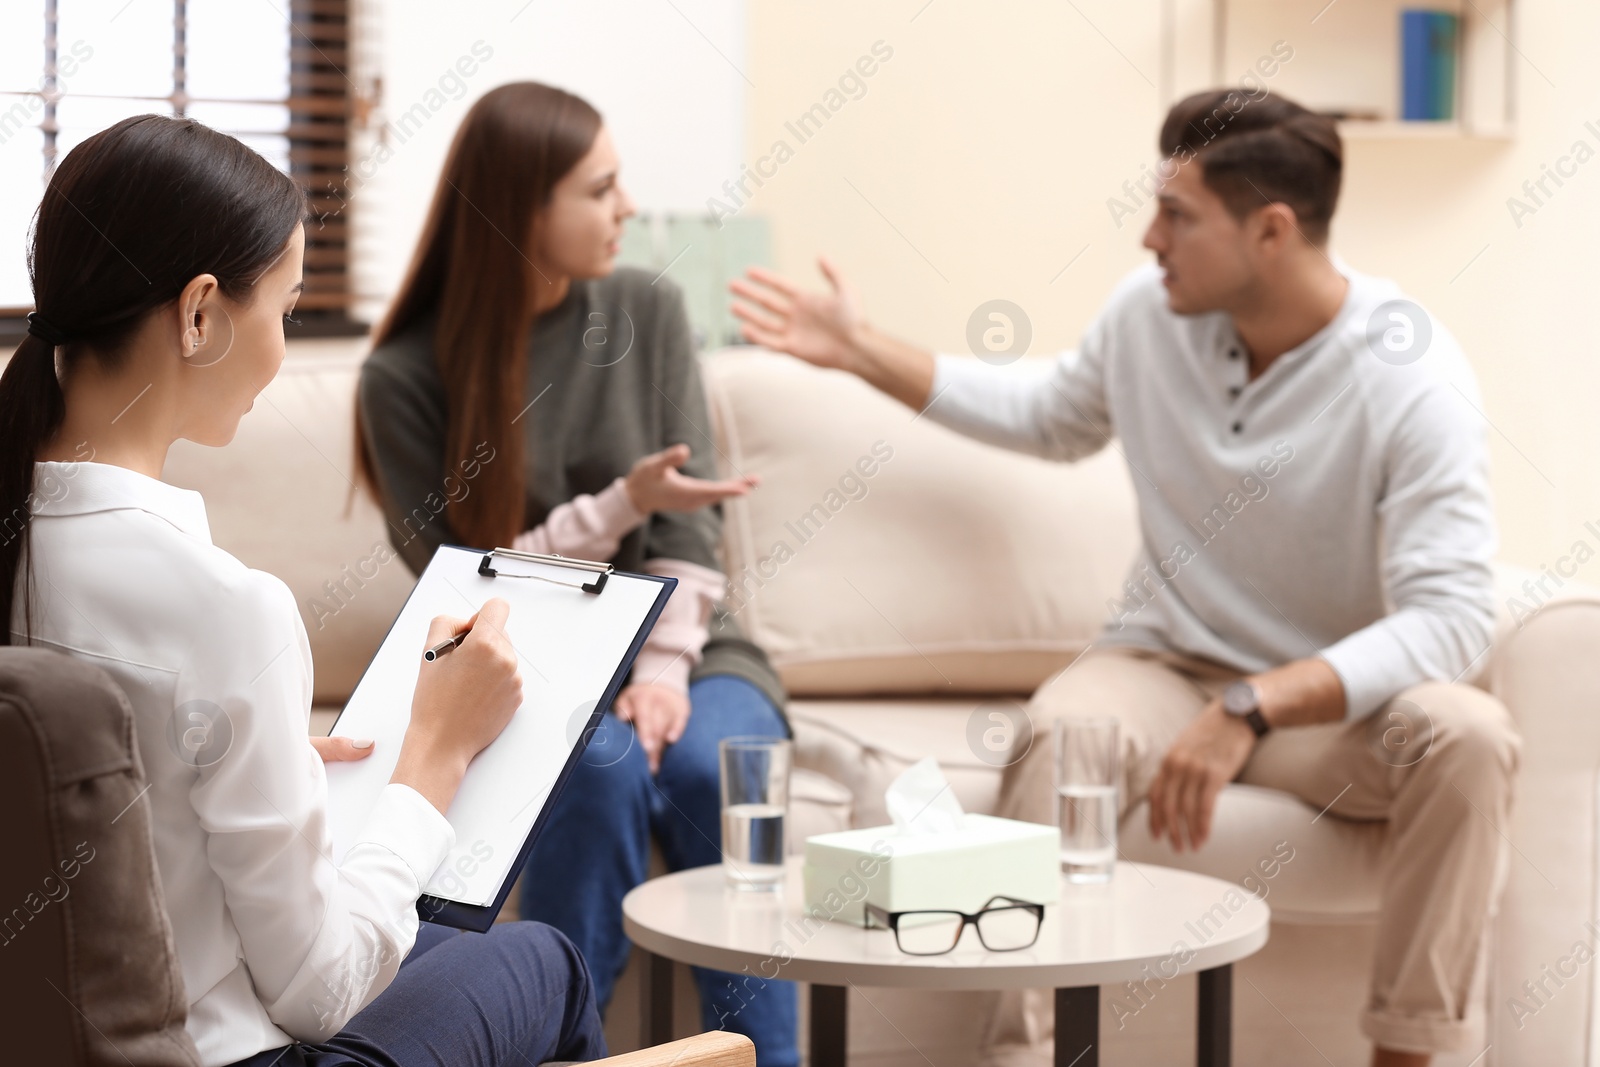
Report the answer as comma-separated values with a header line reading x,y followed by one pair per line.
x,y
953,869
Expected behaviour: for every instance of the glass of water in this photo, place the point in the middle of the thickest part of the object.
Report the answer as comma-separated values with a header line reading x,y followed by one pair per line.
x,y
755,799
1088,759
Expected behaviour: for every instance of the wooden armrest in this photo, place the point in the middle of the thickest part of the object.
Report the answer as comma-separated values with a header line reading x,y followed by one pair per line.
x,y
715,1049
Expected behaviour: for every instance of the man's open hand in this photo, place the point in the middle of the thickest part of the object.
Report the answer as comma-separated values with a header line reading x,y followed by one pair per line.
x,y
1204,758
776,313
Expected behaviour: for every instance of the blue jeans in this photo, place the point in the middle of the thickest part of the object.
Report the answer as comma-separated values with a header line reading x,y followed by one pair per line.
x,y
515,996
596,847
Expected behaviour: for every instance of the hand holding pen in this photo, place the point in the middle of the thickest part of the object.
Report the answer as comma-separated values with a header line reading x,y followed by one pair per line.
x,y
462,701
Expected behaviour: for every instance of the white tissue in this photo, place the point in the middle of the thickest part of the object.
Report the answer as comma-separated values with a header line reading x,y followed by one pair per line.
x,y
920,801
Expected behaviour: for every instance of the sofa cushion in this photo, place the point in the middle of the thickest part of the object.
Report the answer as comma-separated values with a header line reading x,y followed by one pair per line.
x,y
817,805
884,554
1326,869
845,613
90,972
866,744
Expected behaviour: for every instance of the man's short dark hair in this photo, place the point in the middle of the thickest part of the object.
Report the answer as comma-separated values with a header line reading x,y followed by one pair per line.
x,y
1256,149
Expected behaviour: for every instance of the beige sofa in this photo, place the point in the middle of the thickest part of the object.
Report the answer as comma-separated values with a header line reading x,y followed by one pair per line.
x,y
913,588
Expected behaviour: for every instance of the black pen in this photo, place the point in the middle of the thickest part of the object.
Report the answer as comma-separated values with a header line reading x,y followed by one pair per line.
x,y
444,646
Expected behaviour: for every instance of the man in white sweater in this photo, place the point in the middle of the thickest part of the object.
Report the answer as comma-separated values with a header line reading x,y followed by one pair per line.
x,y
1310,461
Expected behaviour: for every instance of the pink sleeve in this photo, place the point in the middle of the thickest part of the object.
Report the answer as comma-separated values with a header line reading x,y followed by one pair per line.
x,y
587,527
675,644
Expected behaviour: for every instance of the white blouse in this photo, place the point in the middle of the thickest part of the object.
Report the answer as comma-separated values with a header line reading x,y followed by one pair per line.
x,y
275,941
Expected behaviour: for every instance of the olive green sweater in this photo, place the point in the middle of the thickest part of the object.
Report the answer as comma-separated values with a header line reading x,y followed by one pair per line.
x,y
611,376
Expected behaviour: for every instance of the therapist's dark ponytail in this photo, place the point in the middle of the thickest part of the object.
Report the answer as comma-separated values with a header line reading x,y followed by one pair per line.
x,y
128,219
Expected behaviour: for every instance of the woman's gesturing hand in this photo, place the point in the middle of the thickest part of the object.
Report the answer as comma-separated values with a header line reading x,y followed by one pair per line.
x,y
816,327
656,484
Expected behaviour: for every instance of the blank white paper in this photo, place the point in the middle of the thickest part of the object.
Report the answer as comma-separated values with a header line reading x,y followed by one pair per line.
x,y
571,644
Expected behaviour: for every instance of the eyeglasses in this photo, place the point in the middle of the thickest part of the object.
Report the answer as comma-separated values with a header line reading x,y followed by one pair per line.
x,y
1005,924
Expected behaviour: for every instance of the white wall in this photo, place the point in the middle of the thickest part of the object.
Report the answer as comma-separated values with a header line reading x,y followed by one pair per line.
x,y
667,77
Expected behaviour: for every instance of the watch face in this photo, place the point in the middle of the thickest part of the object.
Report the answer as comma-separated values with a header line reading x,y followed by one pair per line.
x,y
1239,698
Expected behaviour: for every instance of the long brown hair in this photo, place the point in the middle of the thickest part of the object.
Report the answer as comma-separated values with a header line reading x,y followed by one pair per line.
x,y
472,269
128,219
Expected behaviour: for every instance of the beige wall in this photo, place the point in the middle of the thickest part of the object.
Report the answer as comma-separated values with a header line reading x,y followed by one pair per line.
x,y
994,135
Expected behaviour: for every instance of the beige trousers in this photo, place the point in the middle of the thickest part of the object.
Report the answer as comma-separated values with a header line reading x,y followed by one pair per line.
x,y
1448,811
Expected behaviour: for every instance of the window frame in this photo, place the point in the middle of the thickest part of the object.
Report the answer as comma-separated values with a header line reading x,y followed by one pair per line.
x,y
323,101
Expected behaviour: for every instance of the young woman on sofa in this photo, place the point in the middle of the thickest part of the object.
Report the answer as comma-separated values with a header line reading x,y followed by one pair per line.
x,y
525,392
163,258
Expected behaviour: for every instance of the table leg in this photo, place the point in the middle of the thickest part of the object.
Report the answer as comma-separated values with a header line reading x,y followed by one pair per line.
x,y
655,1025
828,1025
1215,1045
1078,1027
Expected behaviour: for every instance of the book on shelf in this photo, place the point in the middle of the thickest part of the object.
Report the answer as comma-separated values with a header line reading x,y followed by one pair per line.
x,y
1429,45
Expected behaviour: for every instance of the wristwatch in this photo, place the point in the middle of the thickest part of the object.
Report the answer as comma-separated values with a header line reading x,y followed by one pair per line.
x,y
1243,699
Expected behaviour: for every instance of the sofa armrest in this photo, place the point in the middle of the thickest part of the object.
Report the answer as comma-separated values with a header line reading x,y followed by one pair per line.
x,y
1547,672
715,1049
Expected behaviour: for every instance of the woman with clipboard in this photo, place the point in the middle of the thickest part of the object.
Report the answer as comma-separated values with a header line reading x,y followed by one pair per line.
x,y
525,392
163,259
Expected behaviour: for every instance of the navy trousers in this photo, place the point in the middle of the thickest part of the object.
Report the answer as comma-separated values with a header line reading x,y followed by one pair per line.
x,y
514,997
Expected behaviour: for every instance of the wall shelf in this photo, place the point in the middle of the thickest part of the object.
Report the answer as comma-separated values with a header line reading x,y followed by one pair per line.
x,y
1346,58
1393,130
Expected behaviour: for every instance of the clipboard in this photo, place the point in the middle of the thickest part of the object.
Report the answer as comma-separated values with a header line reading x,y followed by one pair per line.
x,y
577,626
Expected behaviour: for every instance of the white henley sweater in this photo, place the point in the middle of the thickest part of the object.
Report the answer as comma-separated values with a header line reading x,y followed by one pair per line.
x,y
1337,506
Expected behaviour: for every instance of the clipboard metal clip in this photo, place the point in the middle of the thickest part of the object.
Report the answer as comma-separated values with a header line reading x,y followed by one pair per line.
x,y
603,570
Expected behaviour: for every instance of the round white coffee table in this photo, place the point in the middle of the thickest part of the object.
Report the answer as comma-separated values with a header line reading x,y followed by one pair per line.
x,y
1147,925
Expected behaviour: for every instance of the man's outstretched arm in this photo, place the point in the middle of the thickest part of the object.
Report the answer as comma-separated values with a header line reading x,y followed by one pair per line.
x,y
828,330
1057,412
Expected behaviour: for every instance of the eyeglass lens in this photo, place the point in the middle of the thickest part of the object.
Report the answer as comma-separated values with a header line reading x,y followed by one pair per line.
x,y
928,933
1005,929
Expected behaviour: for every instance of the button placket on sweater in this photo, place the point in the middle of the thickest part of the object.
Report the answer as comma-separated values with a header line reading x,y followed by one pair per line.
x,y
1237,371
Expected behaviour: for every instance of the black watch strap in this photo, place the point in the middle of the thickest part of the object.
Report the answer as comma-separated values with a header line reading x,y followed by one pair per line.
x,y
1258,722
1243,699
